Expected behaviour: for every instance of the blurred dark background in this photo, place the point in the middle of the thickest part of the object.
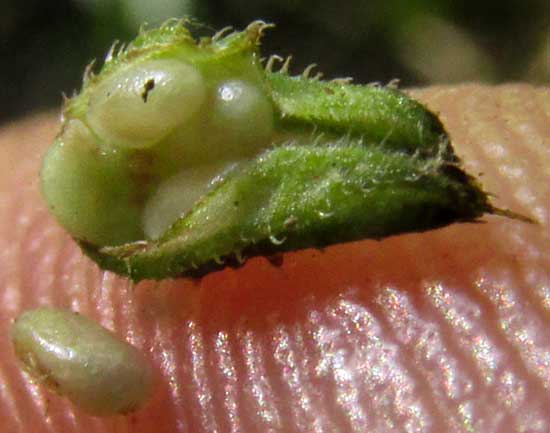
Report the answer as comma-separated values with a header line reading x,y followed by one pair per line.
x,y
45,45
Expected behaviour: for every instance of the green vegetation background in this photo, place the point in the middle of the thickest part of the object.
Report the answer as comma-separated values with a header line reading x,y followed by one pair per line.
x,y
45,45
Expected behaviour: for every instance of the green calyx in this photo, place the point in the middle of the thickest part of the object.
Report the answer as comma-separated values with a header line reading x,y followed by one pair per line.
x,y
182,156
295,196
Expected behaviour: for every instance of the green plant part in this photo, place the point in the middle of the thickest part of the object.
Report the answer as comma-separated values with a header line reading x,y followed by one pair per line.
x,y
181,156
83,361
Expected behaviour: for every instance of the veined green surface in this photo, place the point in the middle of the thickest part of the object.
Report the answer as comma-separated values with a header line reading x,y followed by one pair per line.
x,y
373,113
302,195
248,160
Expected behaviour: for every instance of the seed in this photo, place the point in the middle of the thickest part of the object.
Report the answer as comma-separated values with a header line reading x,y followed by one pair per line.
x,y
79,359
95,197
242,115
138,106
177,195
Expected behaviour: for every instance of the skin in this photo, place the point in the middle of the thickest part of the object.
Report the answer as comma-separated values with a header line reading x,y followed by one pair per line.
x,y
439,331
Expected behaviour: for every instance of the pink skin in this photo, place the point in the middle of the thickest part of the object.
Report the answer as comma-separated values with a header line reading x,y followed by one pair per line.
x,y
445,331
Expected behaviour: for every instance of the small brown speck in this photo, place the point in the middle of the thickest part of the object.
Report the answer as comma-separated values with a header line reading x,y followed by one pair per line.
x,y
148,86
276,259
